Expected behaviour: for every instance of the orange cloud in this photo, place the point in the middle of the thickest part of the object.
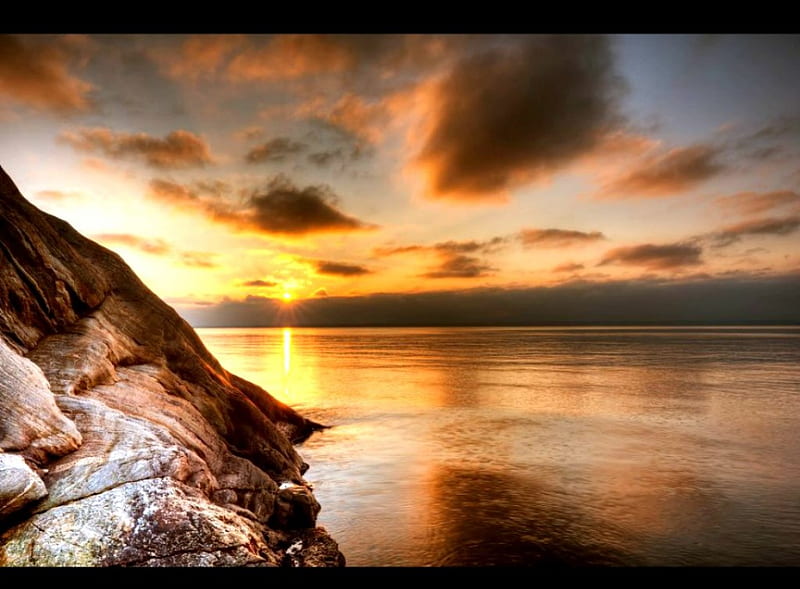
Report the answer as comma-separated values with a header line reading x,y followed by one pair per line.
x,y
557,237
753,203
290,56
178,149
157,247
568,267
198,56
35,73
456,258
665,173
57,195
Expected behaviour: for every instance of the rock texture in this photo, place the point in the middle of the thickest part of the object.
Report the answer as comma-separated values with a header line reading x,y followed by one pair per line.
x,y
122,439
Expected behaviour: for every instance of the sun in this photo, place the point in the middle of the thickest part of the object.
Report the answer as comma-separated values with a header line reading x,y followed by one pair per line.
x,y
287,296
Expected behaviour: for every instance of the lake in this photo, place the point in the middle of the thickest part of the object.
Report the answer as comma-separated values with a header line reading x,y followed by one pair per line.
x,y
543,446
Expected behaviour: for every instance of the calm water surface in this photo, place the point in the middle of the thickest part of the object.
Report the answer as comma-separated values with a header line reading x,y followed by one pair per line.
x,y
506,446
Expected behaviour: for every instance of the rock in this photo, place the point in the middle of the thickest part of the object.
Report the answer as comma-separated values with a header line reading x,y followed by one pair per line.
x,y
19,485
295,508
30,421
151,453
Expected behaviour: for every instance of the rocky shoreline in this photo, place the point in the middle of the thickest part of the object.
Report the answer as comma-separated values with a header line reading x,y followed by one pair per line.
x,y
123,442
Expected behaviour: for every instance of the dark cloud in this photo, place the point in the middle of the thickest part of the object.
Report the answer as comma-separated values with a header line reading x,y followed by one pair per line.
x,y
280,207
178,149
778,128
557,237
460,266
338,268
772,226
260,283
520,110
568,267
275,150
655,257
666,173
323,158
446,247
754,203
738,299
157,247
453,261
288,209
35,72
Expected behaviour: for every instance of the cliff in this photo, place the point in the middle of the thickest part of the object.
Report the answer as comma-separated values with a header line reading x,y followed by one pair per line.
x,y
122,439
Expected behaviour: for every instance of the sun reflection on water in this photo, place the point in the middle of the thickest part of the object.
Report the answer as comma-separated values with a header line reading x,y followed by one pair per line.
x,y
287,358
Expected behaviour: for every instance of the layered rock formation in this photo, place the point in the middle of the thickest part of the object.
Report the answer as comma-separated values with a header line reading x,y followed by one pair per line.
x,y
122,439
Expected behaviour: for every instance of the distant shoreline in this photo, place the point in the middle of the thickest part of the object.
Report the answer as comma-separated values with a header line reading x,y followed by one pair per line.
x,y
587,326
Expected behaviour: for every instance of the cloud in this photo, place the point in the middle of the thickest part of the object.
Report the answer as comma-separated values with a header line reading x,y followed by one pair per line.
x,y
260,283
519,111
446,247
287,209
770,226
288,57
453,261
568,267
460,266
320,292
338,268
353,118
198,56
157,247
57,195
655,257
178,149
35,73
249,133
666,173
557,237
323,158
280,208
198,259
754,203
775,129
740,298
274,150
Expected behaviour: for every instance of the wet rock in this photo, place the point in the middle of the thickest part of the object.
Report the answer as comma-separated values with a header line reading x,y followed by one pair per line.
x,y
295,507
313,548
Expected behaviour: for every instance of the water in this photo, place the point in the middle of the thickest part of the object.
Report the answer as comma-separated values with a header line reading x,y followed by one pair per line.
x,y
506,446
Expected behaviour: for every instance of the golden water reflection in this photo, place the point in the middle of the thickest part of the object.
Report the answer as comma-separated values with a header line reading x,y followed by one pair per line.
x,y
525,446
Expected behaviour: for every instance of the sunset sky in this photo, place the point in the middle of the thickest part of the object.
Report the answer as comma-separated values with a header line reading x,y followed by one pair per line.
x,y
229,170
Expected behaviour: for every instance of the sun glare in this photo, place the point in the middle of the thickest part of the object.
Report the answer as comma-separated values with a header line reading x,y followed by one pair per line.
x,y
287,296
